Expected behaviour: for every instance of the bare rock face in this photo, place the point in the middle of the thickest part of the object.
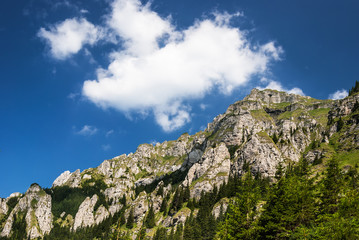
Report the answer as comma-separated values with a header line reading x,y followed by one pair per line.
x,y
272,96
140,207
101,214
265,128
3,206
220,207
261,153
85,215
62,179
70,179
36,205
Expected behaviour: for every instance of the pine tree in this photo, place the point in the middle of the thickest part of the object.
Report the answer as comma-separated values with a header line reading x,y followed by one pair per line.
x,y
161,234
123,200
160,191
331,188
130,220
150,218
356,106
186,194
354,89
275,138
122,219
163,205
142,234
241,212
179,232
340,124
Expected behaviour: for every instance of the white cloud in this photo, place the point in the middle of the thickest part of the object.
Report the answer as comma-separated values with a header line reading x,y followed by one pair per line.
x,y
138,26
203,106
106,147
87,130
338,94
110,132
161,68
274,85
73,96
68,37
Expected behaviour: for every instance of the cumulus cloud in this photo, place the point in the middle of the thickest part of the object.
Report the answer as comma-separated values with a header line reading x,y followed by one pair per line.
x,y
338,94
160,68
278,86
87,130
68,37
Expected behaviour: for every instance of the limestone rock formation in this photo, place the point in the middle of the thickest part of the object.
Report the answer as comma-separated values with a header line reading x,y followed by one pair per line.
x,y
85,215
36,206
265,128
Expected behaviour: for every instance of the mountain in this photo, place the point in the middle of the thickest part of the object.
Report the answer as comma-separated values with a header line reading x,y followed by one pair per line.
x,y
162,188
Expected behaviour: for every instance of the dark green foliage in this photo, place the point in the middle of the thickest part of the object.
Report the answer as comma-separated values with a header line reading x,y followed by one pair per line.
x,y
331,188
67,199
340,124
19,227
160,191
179,232
11,203
163,205
291,203
150,218
122,220
356,106
142,234
173,178
130,220
354,89
275,138
232,149
123,200
161,234
177,201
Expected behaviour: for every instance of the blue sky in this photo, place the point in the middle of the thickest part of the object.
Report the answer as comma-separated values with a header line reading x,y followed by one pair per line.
x,y
84,81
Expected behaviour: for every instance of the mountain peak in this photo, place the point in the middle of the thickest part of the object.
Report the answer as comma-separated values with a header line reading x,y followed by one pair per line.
x,y
269,96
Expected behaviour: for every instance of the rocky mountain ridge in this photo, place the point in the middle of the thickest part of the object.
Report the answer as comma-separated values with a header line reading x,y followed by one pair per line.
x,y
264,129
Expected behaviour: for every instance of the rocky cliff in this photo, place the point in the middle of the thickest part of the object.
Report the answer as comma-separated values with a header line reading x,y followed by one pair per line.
x,y
264,129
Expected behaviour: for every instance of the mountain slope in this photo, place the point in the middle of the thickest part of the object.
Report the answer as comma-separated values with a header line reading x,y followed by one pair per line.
x,y
254,135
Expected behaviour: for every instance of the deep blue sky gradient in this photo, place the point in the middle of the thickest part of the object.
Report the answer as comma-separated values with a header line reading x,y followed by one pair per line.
x,y
38,121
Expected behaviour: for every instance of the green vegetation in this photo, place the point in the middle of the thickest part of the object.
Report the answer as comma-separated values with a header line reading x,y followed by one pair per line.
x,y
261,115
320,115
264,137
354,89
67,199
291,114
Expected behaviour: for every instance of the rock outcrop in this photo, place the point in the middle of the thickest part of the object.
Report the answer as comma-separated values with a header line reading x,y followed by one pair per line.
x,y
85,215
265,128
35,205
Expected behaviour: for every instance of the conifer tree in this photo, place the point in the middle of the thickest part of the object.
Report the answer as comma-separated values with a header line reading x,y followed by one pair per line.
x,y
331,188
354,89
150,218
163,207
340,124
130,220
122,219
179,232
123,200
142,234
356,106
160,191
